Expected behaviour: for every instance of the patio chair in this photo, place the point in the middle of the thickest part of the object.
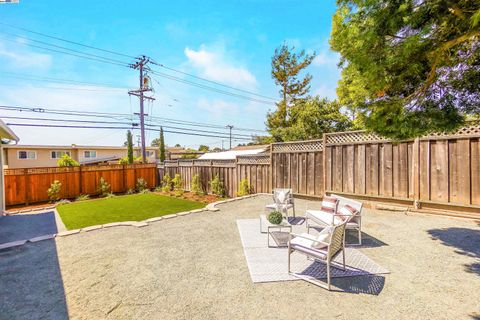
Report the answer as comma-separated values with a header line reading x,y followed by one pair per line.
x,y
328,217
323,248
283,201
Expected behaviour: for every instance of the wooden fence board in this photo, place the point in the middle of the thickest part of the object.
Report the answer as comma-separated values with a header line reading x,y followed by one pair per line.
x,y
475,170
439,170
459,171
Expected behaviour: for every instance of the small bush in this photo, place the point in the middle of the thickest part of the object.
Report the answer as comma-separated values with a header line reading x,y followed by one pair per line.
x,y
244,188
166,183
82,197
54,191
144,191
141,185
130,191
104,187
158,189
177,182
197,185
217,186
62,202
67,161
275,217
110,195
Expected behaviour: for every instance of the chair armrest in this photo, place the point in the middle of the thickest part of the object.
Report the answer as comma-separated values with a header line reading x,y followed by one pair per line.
x,y
295,235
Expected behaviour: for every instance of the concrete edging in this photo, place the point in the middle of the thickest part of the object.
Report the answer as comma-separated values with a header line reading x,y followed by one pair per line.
x,y
138,224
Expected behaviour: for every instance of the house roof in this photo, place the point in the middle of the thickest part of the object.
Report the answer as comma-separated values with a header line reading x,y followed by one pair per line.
x,y
252,147
73,146
7,133
230,154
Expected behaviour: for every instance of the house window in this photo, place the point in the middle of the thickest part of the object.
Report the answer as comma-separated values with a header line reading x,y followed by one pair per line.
x,y
90,154
59,154
31,155
150,154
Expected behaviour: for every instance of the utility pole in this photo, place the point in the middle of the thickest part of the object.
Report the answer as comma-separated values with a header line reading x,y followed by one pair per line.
x,y
140,64
230,127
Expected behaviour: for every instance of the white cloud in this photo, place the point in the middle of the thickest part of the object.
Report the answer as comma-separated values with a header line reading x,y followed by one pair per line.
x,y
326,57
18,55
218,108
214,65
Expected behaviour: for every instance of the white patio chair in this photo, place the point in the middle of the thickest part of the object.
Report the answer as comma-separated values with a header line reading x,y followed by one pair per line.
x,y
324,248
324,218
283,201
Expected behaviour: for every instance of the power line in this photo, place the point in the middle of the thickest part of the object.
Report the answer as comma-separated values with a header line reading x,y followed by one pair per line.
x,y
115,128
114,116
104,60
133,124
24,76
213,82
67,41
198,85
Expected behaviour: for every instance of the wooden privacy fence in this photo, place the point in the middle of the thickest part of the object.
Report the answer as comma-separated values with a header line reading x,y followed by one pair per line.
x,y
437,171
253,168
25,186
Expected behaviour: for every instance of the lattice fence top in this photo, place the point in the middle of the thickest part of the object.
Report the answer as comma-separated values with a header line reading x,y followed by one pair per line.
x,y
202,163
170,163
185,163
223,163
302,146
353,137
260,159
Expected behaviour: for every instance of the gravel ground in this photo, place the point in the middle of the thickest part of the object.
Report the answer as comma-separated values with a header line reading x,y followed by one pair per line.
x,y
193,267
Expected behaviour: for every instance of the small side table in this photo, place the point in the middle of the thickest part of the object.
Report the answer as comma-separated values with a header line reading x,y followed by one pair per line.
x,y
275,231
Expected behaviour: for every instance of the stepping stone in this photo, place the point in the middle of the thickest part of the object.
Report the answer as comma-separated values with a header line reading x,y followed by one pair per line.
x,y
12,244
41,238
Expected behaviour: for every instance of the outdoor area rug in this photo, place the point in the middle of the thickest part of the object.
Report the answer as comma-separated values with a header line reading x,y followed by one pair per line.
x,y
270,264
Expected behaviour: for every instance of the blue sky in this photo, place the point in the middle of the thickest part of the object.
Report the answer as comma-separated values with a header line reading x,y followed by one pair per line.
x,y
227,41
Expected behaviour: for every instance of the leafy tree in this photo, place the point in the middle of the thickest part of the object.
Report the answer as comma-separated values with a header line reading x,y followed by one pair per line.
x,y
67,161
203,148
178,145
217,149
129,147
409,67
286,68
190,154
162,146
311,118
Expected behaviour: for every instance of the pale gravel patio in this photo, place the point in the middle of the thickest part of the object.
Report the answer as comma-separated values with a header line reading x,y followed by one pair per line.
x,y
193,267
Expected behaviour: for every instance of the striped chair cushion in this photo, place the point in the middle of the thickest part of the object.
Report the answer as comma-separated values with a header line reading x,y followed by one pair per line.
x,y
347,212
329,204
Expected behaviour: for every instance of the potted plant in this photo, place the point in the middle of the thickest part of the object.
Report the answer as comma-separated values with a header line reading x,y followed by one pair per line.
x,y
275,217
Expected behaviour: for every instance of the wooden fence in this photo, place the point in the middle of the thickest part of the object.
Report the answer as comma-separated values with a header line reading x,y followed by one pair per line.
x,y
437,171
256,169
26,186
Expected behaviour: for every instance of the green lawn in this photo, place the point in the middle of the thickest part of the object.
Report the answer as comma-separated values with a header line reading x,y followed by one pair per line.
x,y
135,207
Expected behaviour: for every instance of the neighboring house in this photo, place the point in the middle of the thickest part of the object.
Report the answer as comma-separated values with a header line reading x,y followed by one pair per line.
x,y
5,134
33,156
174,153
235,152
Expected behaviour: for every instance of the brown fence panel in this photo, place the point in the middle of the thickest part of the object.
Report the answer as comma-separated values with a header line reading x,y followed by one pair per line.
x,y
25,186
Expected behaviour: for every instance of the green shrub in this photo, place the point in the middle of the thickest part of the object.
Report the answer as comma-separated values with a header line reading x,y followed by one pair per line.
x,y
104,187
144,191
197,185
130,191
158,189
166,183
275,217
217,186
141,185
177,185
54,191
82,197
67,161
62,202
244,188
109,195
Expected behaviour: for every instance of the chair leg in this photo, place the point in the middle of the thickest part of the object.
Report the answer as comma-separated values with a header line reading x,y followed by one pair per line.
x,y
343,252
359,236
289,253
293,211
328,275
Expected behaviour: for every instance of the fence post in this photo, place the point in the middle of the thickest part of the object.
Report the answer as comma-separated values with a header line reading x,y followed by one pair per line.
x,y
25,173
270,169
80,180
324,161
416,172
124,178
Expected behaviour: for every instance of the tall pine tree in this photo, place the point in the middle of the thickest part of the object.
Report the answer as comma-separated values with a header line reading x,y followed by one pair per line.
x,y
129,147
286,68
162,146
